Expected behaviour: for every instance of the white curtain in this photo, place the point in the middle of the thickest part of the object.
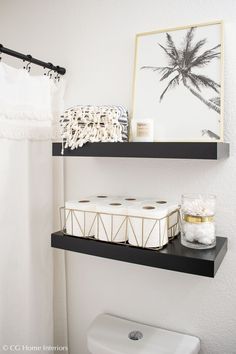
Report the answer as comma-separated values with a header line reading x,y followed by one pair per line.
x,y
27,106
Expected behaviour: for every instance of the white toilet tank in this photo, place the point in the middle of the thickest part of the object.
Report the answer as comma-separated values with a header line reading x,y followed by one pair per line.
x,y
112,335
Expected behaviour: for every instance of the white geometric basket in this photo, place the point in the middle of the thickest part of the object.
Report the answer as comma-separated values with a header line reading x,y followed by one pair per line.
x,y
145,232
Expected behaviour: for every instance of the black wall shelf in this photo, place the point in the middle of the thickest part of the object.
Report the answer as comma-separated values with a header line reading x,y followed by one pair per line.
x,y
173,257
206,151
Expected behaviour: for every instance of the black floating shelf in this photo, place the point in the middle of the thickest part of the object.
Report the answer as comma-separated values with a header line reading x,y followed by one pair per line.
x,y
173,257
206,151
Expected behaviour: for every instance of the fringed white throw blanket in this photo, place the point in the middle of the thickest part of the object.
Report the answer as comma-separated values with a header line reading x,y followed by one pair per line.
x,y
82,124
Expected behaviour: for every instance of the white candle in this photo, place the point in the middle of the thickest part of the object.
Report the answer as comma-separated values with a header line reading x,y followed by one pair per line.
x,y
142,130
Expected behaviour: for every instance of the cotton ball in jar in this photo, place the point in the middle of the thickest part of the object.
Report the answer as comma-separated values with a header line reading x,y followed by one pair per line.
x,y
203,232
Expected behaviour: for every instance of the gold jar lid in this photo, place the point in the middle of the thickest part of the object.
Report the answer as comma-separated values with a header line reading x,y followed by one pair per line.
x,y
197,219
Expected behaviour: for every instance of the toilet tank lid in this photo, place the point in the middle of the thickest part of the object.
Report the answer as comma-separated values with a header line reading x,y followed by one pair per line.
x,y
113,335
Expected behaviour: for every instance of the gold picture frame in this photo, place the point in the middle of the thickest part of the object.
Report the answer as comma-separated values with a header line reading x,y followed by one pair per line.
x,y
197,117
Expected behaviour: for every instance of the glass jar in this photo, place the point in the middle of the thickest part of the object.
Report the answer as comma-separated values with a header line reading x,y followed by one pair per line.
x,y
197,221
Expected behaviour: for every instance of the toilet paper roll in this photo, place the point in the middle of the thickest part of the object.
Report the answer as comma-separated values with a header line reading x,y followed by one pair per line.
x,y
80,217
101,198
147,226
173,211
130,200
174,221
111,222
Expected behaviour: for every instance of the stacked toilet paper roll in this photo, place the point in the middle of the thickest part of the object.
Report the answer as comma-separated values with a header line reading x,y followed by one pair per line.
x,y
173,220
147,226
100,198
173,214
127,200
111,224
130,200
80,217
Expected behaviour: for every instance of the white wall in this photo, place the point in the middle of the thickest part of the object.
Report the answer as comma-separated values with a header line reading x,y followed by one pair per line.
x,y
94,39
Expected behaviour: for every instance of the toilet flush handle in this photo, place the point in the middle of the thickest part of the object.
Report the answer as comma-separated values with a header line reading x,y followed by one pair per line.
x,y
135,335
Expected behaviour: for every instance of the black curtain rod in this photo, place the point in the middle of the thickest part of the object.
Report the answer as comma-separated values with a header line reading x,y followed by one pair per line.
x,y
30,59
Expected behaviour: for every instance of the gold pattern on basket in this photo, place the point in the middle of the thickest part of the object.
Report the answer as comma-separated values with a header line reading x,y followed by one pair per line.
x,y
124,221
176,227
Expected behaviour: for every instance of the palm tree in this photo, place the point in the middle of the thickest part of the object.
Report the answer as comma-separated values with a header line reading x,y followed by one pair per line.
x,y
182,62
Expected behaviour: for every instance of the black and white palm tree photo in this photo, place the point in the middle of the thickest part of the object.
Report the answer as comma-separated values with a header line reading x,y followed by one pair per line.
x,y
178,82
